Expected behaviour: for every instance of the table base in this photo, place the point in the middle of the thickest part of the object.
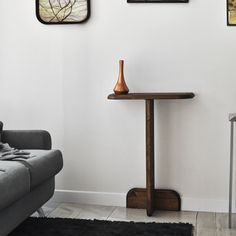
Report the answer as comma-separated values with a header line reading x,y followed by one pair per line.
x,y
163,199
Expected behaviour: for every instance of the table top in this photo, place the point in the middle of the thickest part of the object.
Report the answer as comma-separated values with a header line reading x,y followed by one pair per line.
x,y
152,96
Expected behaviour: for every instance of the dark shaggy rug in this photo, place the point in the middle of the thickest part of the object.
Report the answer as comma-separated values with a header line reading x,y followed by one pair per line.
x,y
77,227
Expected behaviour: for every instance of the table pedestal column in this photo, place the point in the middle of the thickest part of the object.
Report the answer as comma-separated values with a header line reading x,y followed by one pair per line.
x,y
151,198
150,155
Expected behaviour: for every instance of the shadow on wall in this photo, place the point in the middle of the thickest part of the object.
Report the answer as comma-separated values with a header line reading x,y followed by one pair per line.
x,y
173,129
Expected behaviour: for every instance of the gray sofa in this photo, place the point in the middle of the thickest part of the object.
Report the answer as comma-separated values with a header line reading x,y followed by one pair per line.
x,y
25,185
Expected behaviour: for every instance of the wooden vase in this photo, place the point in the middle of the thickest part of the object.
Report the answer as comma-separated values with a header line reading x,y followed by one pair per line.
x,y
121,87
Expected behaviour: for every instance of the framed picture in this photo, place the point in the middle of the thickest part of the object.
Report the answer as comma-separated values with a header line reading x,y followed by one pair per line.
x,y
62,11
154,1
231,12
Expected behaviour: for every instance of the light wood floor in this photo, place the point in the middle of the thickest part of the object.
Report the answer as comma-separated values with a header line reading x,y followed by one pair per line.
x,y
205,224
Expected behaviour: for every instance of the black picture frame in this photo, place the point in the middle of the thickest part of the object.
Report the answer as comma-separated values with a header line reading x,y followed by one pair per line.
x,y
157,1
230,9
37,2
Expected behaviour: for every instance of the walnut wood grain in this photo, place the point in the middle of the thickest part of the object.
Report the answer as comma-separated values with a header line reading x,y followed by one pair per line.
x,y
145,96
163,199
150,155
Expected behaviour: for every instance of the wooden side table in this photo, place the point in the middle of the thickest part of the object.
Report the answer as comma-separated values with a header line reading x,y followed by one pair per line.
x,y
149,197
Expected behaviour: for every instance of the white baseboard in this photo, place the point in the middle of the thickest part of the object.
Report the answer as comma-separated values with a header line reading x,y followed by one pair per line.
x,y
119,199
207,205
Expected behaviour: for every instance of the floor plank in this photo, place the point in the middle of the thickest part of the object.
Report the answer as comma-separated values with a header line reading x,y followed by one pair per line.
x,y
226,232
206,220
47,208
222,221
127,214
79,211
206,232
66,210
96,212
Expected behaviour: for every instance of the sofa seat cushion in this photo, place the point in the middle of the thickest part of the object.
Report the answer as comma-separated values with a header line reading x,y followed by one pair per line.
x,y
14,182
43,165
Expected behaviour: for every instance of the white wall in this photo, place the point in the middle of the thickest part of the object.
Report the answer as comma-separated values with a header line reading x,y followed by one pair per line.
x,y
58,78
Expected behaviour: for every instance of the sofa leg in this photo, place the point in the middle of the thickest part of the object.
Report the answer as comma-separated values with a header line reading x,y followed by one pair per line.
x,y
41,212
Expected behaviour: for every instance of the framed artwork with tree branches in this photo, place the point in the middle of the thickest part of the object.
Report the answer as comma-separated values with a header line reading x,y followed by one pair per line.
x,y
231,12
62,11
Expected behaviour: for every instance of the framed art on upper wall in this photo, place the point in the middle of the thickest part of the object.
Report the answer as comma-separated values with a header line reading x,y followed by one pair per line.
x,y
231,12
156,1
62,11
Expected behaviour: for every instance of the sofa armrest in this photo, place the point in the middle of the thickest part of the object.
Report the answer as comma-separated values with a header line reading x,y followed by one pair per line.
x,y
27,139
